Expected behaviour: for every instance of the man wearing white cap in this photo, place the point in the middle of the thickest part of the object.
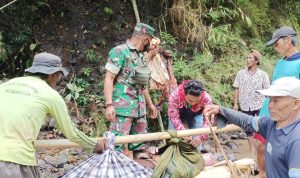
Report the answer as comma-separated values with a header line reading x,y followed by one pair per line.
x,y
25,103
281,129
284,41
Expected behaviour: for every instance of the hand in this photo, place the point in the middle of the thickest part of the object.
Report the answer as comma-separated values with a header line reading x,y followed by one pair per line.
x,y
100,146
152,150
210,111
236,107
150,54
152,111
196,142
110,113
188,139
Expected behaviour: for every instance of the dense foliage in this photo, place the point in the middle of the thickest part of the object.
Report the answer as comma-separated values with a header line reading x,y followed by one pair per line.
x,y
209,40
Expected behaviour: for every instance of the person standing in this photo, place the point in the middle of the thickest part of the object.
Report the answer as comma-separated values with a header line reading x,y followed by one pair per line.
x,y
246,83
284,41
281,129
24,106
125,85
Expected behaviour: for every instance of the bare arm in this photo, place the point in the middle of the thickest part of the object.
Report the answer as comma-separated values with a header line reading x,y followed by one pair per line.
x,y
108,92
151,107
108,86
236,99
147,97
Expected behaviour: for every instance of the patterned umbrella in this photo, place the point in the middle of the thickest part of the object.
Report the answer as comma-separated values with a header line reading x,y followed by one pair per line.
x,y
109,164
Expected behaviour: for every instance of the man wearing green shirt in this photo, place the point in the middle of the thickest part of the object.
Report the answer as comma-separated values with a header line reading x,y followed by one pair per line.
x,y
125,99
25,103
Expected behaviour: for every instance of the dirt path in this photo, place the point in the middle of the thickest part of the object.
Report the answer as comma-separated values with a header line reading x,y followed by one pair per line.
x,y
243,150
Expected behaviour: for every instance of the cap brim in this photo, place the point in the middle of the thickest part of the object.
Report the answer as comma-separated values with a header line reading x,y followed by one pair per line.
x,y
269,92
47,70
65,71
272,41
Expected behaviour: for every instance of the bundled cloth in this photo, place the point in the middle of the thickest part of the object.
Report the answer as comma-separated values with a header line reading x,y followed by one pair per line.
x,y
180,159
160,65
109,164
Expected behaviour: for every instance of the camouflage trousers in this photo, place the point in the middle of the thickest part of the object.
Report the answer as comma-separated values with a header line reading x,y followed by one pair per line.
x,y
125,125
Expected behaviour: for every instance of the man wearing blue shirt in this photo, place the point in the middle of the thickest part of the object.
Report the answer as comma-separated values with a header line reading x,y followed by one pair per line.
x,y
284,41
281,129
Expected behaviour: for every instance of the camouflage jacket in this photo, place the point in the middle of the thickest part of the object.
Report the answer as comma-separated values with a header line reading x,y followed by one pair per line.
x,y
129,100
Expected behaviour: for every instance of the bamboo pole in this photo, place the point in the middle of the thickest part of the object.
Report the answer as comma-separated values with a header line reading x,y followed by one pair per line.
x,y
1,8
161,125
136,12
64,143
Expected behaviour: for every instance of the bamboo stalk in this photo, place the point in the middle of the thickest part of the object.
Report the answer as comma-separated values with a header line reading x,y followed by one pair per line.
x,y
161,125
1,8
64,143
136,12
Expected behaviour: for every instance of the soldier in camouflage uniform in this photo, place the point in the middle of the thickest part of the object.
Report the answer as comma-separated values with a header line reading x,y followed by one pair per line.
x,y
126,102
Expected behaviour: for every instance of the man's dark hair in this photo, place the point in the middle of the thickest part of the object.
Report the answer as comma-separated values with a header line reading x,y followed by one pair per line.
x,y
193,87
40,75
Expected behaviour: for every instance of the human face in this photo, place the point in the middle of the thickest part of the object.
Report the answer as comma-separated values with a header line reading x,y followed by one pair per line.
x,y
282,45
59,78
281,107
251,61
192,100
146,43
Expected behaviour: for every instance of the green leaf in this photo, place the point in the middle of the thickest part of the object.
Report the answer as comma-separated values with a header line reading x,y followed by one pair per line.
x,y
70,86
32,46
68,97
76,95
248,20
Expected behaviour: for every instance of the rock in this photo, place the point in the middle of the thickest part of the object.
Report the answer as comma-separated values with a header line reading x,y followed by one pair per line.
x,y
67,167
218,156
52,123
49,124
57,161
231,157
231,145
242,135
75,151
206,147
42,164
234,136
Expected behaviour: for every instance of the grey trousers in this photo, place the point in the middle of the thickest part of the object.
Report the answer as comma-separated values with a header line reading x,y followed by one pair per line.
x,y
13,170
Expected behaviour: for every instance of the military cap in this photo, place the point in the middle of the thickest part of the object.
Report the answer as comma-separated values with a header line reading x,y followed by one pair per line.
x,y
142,28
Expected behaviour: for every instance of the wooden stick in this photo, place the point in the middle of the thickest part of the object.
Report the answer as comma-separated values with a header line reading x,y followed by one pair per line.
x,y
232,169
7,4
64,143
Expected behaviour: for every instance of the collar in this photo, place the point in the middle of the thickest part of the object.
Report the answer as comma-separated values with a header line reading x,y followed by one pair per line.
x,y
256,70
294,57
130,46
287,129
